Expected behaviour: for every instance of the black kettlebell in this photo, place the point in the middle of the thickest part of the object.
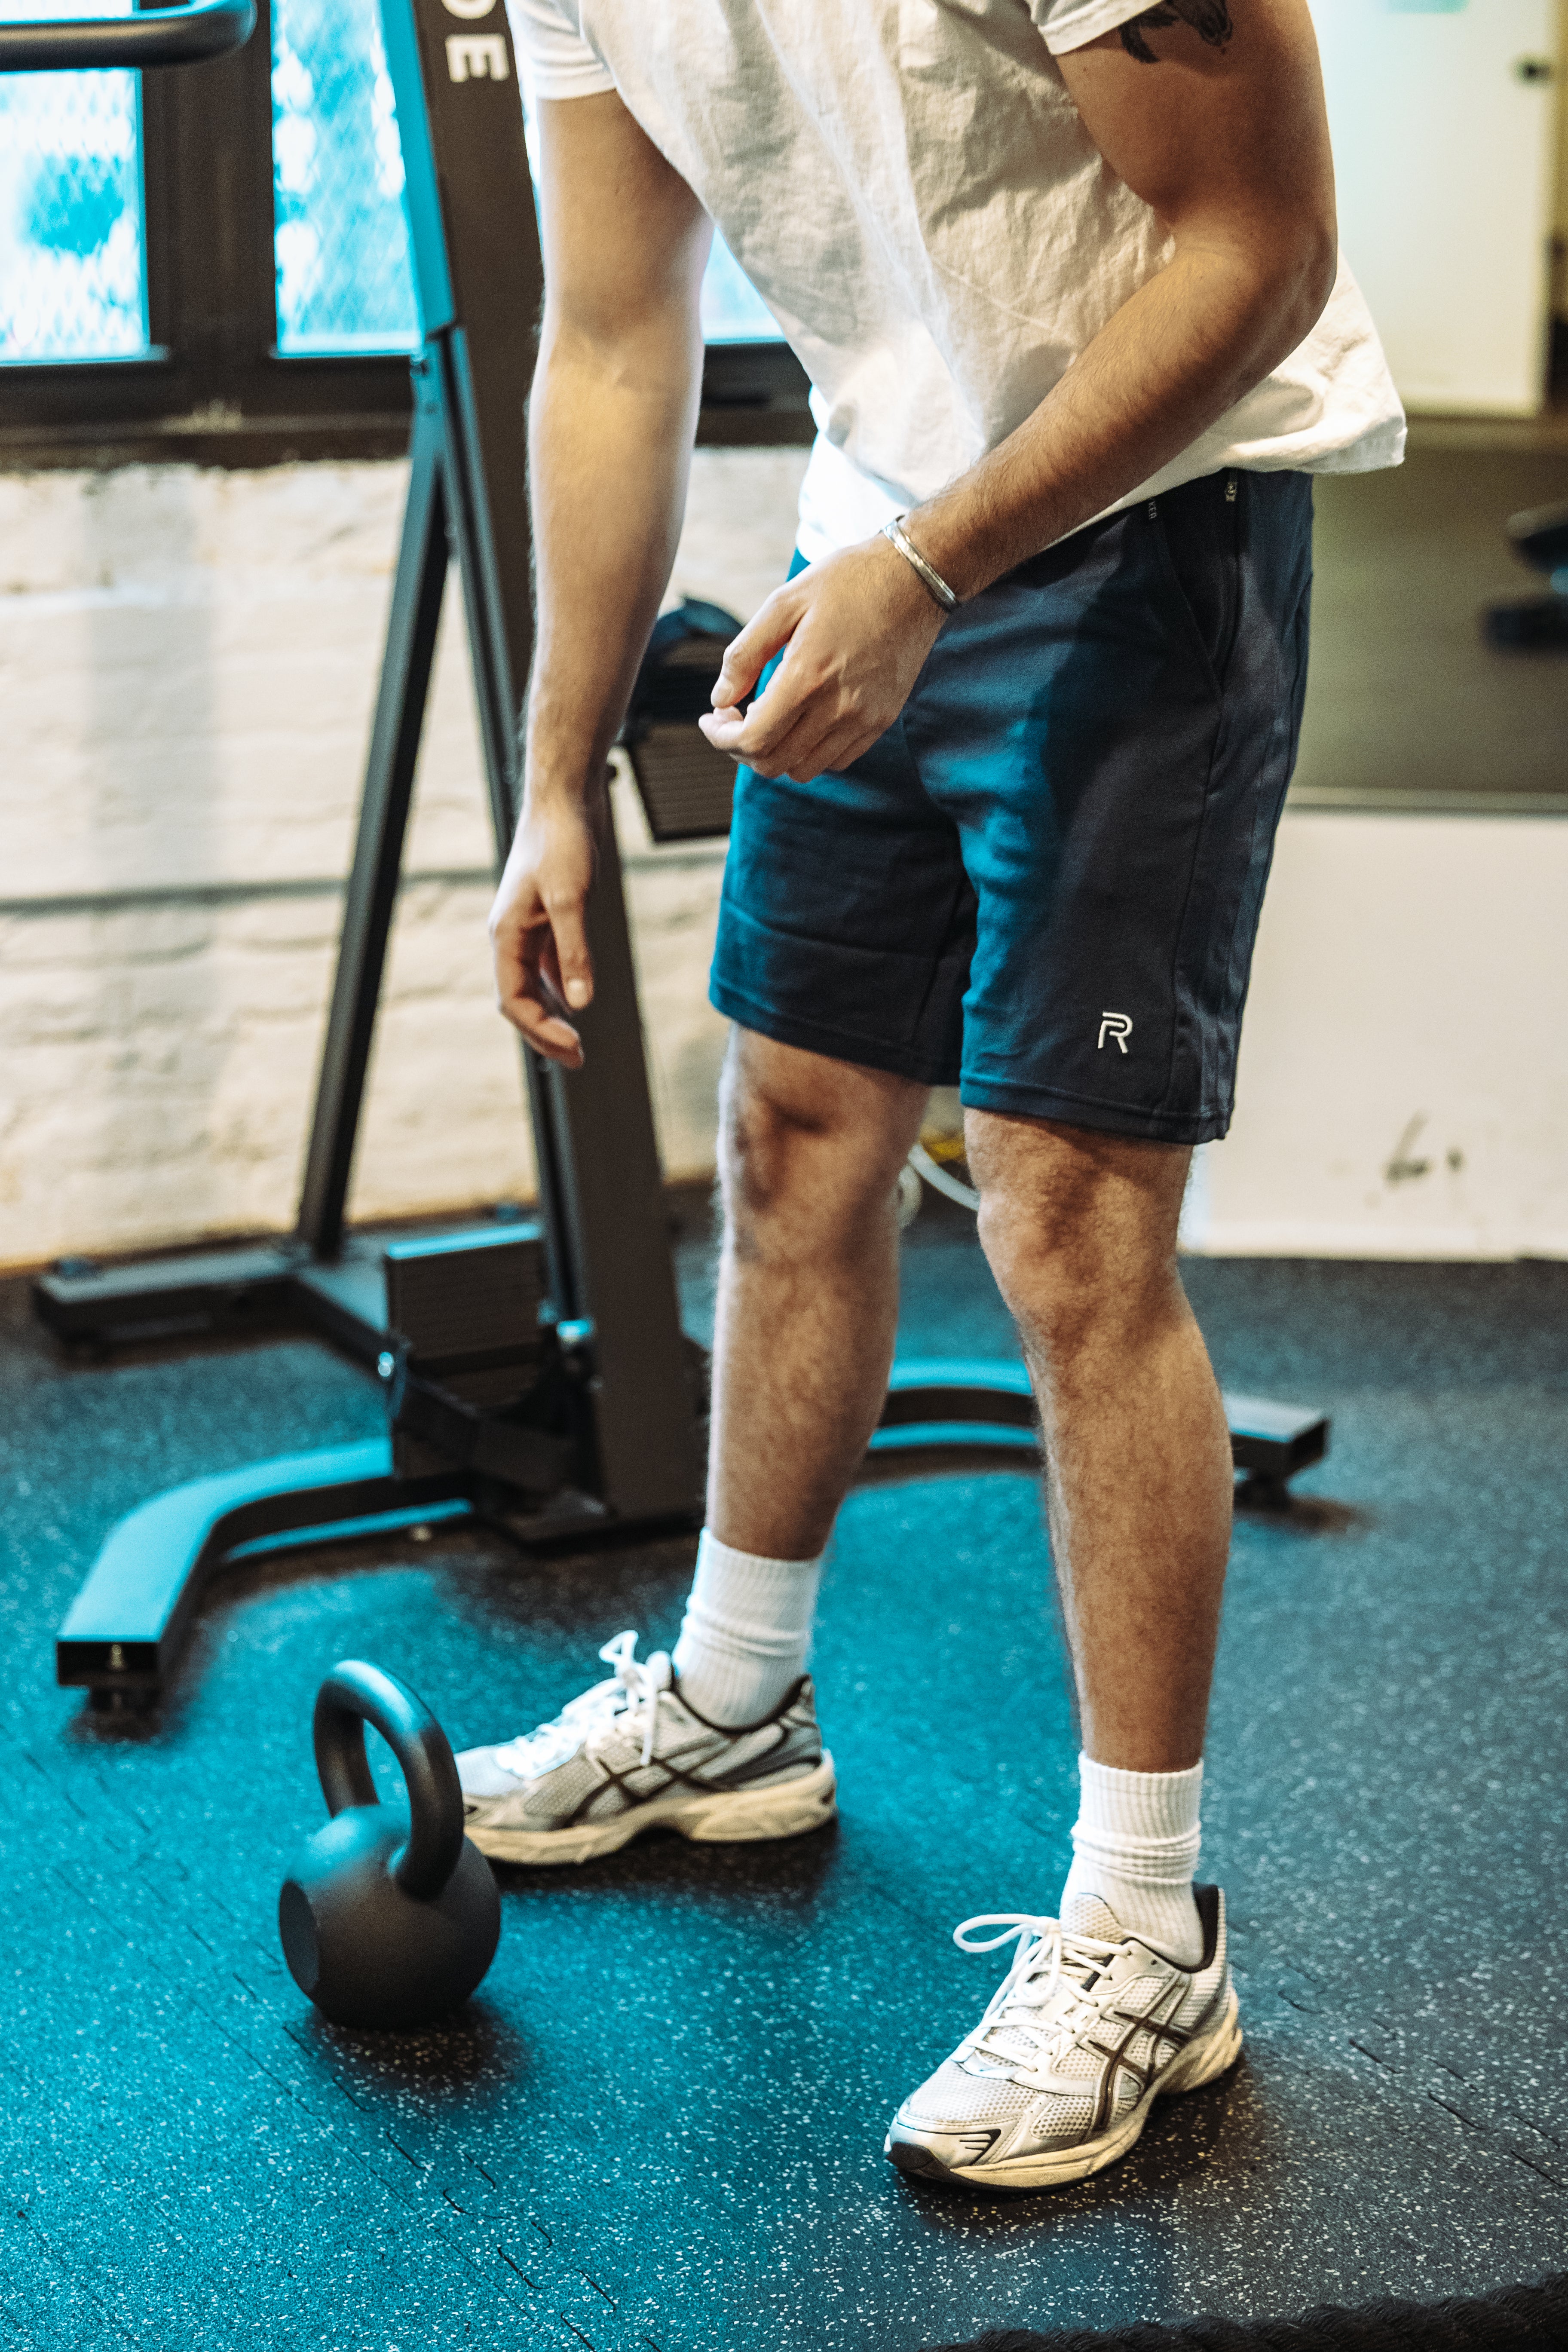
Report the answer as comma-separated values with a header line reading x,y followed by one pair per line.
x,y
388,1918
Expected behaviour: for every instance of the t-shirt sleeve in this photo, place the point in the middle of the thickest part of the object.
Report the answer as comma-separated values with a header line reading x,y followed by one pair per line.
x,y
554,58
1068,24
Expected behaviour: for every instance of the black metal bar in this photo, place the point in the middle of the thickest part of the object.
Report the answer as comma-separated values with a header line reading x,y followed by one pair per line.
x,y
468,224
1270,1440
475,263
644,1408
155,36
79,1301
126,1627
1274,1441
496,680
384,820
471,201
499,608
474,177
123,1637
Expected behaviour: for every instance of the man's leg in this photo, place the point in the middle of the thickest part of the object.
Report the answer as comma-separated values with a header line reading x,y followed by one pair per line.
x,y
721,1741
810,1152
1080,1231
1125,1995
809,1286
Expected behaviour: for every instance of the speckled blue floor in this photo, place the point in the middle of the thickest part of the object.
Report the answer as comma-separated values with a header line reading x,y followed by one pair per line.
x,y
660,2124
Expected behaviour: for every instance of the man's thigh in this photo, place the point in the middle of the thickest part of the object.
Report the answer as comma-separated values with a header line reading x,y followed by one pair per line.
x,y
1113,732
818,1096
847,918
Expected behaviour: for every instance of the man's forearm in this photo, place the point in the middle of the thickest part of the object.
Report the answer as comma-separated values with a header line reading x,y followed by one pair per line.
x,y
1173,360
610,434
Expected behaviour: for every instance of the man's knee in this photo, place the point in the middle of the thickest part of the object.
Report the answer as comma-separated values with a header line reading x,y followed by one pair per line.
x,y
1078,1227
798,1131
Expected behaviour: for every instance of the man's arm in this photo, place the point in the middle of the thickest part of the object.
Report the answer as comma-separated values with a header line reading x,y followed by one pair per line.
x,y
611,421
1215,116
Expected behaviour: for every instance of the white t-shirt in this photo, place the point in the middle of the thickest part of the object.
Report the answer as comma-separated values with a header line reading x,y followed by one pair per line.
x,y
907,186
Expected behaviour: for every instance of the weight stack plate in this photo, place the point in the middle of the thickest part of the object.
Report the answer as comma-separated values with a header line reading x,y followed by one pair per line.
x,y
469,1305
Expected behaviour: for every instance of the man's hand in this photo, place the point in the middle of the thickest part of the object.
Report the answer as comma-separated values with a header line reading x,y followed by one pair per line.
x,y
537,933
857,627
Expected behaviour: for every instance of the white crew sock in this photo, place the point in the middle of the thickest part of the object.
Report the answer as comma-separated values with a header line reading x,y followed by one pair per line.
x,y
746,1631
1135,1844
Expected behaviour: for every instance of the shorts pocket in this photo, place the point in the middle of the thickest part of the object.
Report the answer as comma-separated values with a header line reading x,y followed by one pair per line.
x,y
1197,535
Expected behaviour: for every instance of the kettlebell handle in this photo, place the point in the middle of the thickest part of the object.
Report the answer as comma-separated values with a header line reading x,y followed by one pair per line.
x,y
356,1694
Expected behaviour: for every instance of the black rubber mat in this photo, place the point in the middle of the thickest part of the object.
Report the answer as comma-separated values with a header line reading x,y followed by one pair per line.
x,y
1518,2319
660,2124
1405,697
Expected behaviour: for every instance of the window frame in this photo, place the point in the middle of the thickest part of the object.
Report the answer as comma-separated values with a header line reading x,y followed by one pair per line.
x,y
213,389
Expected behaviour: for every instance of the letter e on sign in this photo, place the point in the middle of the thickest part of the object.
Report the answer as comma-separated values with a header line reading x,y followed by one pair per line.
x,y
475,57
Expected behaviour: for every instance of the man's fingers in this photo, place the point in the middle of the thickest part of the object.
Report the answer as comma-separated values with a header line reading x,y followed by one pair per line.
x,y
838,748
724,729
791,723
573,973
747,656
507,954
795,751
546,1033
544,970
755,735
529,991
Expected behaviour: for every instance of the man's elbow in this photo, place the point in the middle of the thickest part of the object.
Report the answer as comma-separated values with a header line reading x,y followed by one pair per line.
x,y
1307,280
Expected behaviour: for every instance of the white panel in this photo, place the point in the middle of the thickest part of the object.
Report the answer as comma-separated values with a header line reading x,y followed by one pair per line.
x,y
1403,1089
1445,158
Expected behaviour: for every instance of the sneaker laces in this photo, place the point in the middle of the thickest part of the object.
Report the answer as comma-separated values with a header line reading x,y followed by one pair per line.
x,y
1048,1999
633,1691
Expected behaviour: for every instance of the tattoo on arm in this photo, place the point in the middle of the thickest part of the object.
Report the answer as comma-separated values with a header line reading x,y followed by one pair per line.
x,y
1210,20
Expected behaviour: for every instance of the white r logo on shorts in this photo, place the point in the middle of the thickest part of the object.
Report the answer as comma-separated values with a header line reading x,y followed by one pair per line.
x,y
1117,1026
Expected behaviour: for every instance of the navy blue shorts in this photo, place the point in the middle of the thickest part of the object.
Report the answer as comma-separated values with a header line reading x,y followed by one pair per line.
x,y
1044,881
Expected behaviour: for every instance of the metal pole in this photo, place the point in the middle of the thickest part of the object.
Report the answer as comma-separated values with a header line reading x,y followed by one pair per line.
x,y
416,594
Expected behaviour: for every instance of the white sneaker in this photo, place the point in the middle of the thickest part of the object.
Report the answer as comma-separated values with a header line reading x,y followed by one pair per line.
x,y
630,1754
1088,2028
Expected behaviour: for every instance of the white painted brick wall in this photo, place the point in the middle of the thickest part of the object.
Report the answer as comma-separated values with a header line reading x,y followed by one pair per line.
x,y
187,664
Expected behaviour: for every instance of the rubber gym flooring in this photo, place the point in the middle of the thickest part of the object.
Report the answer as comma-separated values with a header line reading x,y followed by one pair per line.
x,y
658,2126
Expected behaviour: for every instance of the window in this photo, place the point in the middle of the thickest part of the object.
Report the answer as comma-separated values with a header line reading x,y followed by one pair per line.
x,y
344,281
73,281
213,262
344,278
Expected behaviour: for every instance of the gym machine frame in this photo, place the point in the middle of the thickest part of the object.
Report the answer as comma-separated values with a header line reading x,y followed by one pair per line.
x,y
619,1451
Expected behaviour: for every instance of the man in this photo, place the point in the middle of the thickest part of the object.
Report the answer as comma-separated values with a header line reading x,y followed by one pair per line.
x,y
1063,273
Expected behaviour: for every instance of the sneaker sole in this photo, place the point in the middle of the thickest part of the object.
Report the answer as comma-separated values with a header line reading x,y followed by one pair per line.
x,y
1202,2062
731,1817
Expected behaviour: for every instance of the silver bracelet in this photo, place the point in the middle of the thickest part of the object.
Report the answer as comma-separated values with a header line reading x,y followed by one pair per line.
x,y
929,573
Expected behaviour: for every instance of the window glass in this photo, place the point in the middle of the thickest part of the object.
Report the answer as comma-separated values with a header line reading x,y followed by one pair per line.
x,y
73,279
344,277
344,282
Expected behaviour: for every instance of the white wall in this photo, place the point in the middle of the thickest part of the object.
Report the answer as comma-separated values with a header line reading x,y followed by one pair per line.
x,y
1404,1083
187,663
1447,166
